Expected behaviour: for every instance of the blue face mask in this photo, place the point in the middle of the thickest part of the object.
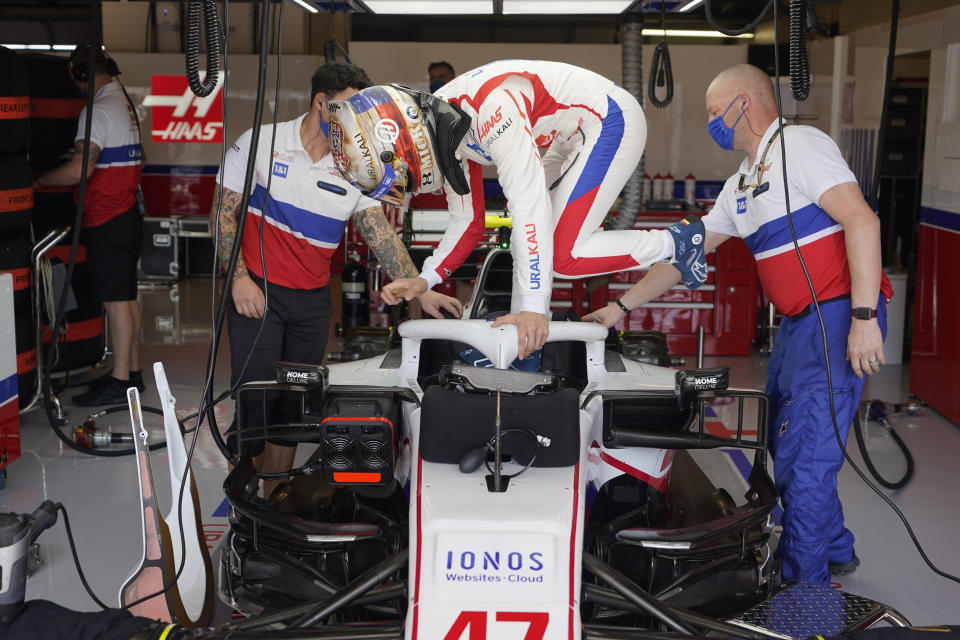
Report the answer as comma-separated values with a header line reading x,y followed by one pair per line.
x,y
721,133
436,84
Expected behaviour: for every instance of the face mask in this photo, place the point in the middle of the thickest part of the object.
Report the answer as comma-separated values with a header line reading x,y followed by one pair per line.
x,y
721,133
436,84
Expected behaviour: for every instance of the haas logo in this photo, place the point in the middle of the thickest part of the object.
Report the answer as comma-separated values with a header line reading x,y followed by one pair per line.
x,y
545,140
180,116
487,125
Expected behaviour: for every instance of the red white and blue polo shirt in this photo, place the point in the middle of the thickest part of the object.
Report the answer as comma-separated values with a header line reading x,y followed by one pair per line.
x,y
112,187
757,214
306,212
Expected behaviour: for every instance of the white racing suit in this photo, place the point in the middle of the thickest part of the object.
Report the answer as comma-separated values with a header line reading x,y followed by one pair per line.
x,y
593,133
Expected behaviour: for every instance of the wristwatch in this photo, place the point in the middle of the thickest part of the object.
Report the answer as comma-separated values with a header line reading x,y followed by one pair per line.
x,y
863,313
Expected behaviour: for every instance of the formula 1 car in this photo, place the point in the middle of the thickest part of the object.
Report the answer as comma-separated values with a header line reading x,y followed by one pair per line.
x,y
443,501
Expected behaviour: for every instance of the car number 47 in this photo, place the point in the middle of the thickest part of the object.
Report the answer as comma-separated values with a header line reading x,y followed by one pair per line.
x,y
472,625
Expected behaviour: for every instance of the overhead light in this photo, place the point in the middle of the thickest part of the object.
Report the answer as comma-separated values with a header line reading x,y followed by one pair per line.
x,y
534,7
690,6
308,7
690,33
430,7
39,47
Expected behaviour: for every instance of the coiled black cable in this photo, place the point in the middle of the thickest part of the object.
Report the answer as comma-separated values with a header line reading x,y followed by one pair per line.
x,y
212,31
799,61
736,32
330,50
878,413
661,72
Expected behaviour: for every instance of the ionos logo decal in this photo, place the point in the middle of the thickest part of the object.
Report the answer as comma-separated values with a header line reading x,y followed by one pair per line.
x,y
180,116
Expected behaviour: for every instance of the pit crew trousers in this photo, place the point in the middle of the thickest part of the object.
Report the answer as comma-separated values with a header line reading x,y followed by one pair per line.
x,y
586,175
296,329
806,456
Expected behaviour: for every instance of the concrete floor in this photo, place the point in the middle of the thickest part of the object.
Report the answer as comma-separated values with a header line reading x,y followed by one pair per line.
x,y
102,498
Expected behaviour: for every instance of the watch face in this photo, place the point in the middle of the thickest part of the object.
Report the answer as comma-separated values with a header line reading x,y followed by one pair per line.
x,y
863,313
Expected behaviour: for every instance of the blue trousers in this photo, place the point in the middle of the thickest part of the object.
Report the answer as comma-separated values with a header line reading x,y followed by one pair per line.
x,y
806,456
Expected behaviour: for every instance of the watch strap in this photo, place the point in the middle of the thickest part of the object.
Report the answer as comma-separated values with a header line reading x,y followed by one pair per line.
x,y
622,306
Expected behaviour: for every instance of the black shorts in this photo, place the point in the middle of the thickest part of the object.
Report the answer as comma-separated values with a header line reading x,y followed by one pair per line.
x,y
113,249
295,330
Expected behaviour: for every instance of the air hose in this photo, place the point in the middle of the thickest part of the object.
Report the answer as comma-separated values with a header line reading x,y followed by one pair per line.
x,y
799,62
661,72
212,31
878,413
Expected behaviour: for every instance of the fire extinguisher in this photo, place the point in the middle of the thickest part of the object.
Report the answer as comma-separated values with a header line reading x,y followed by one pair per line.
x,y
356,297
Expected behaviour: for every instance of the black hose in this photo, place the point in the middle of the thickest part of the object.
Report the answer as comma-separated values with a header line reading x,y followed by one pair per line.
x,y
661,71
736,32
207,404
907,475
330,50
661,74
799,62
212,31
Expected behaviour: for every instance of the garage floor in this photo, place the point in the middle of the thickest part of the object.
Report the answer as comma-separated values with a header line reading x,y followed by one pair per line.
x,y
102,498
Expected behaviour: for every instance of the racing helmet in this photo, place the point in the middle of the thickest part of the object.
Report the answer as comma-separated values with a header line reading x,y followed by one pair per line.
x,y
383,144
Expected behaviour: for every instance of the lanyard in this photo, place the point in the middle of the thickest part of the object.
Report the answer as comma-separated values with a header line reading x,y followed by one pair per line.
x,y
761,186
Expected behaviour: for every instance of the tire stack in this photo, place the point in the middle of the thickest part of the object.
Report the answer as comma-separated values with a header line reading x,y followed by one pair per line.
x,y
55,105
16,212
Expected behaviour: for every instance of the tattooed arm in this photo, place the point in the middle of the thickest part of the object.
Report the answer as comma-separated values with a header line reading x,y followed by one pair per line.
x,y
382,239
247,296
69,172
228,229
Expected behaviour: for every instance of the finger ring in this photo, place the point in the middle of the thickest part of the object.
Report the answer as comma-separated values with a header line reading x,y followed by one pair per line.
x,y
873,361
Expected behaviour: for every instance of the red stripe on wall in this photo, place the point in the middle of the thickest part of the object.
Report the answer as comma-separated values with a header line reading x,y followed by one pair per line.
x,y
14,107
16,199
26,361
21,277
57,108
76,331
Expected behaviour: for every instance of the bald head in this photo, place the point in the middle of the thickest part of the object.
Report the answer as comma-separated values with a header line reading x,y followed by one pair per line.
x,y
743,90
744,78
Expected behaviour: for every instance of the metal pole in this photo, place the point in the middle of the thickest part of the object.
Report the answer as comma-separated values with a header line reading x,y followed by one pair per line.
x,y
496,442
700,333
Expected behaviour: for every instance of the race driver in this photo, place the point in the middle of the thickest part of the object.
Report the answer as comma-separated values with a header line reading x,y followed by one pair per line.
x,y
564,141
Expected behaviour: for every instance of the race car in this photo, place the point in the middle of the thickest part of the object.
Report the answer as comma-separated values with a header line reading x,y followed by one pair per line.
x,y
444,500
